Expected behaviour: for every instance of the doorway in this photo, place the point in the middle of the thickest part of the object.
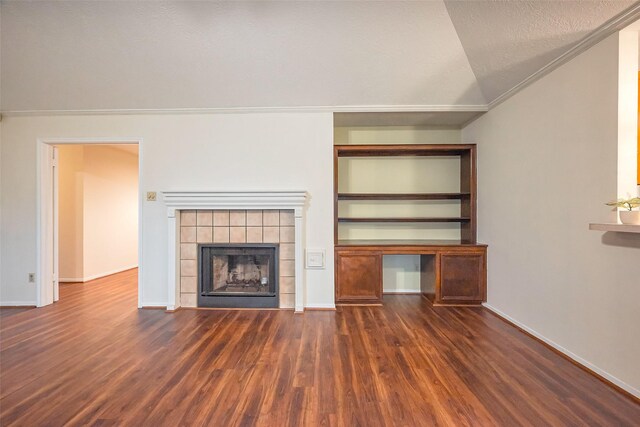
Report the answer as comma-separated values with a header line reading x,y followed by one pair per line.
x,y
89,212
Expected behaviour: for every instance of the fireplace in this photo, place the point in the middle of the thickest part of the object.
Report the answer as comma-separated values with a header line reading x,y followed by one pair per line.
x,y
238,275
234,217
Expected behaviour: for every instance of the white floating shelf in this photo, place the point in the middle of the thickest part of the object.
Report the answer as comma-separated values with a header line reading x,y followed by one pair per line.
x,y
623,228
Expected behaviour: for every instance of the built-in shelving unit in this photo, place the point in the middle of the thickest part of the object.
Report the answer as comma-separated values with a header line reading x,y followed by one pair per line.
x,y
452,271
466,194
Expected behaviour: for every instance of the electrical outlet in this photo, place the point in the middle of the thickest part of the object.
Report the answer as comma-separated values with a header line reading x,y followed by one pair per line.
x,y
315,258
32,277
151,196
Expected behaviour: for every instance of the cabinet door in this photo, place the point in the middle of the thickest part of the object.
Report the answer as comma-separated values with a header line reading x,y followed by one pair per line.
x,y
358,277
462,278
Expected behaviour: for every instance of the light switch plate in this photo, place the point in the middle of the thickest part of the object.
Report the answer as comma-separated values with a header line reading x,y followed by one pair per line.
x,y
315,258
151,196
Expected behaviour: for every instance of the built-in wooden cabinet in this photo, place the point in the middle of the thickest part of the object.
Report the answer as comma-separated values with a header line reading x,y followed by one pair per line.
x,y
462,277
360,274
453,271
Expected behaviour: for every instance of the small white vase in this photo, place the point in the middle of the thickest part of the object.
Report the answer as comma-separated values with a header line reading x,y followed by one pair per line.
x,y
630,217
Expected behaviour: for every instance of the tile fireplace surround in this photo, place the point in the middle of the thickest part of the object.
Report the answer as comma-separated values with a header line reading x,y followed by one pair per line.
x,y
234,217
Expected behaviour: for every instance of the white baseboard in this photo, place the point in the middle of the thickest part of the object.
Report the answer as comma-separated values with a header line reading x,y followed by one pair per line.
x,y
96,276
628,388
153,304
329,306
402,291
18,304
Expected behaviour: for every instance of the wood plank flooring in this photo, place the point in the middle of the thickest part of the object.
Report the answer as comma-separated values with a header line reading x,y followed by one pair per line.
x,y
93,358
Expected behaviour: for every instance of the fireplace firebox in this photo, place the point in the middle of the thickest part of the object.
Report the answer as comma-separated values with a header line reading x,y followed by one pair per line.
x,y
238,275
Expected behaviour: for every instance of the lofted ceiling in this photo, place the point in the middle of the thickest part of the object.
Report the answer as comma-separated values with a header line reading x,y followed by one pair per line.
x,y
111,55
507,41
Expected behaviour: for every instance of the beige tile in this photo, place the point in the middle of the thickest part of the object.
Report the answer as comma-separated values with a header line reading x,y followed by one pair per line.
x,y
287,285
220,218
287,250
220,234
271,234
188,284
187,234
238,218
254,218
254,234
287,301
270,218
188,251
204,218
287,218
204,235
287,268
287,234
187,218
237,234
188,300
188,268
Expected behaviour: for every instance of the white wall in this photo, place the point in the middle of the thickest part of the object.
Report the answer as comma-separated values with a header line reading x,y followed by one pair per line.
x,y
179,152
110,211
547,163
98,211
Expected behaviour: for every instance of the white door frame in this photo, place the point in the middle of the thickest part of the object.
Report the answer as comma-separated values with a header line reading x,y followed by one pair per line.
x,y
46,254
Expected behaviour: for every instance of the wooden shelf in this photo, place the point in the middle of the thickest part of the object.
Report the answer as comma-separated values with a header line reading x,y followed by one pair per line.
x,y
402,196
407,243
402,150
622,228
416,219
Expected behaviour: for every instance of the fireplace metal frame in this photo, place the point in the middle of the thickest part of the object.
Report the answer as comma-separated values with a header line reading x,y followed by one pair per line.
x,y
239,300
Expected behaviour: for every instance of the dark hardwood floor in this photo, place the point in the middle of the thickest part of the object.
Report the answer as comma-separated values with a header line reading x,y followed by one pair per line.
x,y
93,358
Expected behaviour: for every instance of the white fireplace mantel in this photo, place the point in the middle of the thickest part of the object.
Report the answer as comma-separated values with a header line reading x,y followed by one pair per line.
x,y
232,200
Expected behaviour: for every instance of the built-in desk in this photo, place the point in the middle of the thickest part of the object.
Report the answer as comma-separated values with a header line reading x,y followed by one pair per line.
x,y
451,272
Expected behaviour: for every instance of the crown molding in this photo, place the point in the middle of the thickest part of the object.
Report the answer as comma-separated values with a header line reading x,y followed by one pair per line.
x,y
611,26
250,110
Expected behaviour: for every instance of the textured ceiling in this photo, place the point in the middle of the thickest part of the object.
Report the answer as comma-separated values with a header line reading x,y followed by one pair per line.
x,y
182,54
77,55
507,41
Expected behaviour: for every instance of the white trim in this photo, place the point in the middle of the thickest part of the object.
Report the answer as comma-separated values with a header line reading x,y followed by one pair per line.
x,y
614,24
41,145
242,110
97,276
18,304
154,304
233,200
328,306
568,353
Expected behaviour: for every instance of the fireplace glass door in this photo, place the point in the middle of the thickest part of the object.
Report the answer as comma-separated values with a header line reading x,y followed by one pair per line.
x,y
238,275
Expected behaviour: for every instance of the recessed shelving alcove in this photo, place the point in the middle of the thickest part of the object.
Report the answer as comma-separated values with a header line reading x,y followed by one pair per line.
x,y
407,199
410,184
